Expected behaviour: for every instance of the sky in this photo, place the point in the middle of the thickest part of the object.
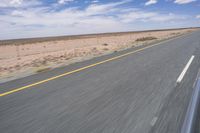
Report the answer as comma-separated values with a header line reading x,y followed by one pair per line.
x,y
41,18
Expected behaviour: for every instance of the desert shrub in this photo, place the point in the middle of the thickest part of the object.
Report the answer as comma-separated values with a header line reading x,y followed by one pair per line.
x,y
94,48
105,44
105,49
177,33
146,38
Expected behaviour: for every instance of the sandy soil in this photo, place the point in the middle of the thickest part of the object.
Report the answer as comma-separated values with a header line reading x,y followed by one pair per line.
x,y
25,59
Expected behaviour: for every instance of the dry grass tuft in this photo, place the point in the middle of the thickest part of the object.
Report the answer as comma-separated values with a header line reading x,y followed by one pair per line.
x,y
105,44
105,49
43,69
146,39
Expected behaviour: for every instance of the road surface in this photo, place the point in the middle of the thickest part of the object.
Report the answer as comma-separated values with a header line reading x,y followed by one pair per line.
x,y
136,93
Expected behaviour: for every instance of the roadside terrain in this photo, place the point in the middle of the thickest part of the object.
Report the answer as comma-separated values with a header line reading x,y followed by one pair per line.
x,y
137,90
20,58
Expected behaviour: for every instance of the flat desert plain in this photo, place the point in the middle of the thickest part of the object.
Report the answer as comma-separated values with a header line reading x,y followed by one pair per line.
x,y
19,58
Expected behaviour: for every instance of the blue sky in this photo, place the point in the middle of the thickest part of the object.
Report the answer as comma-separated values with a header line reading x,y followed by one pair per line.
x,y
38,18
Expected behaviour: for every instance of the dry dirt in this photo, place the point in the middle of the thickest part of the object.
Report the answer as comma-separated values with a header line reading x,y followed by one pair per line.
x,y
25,59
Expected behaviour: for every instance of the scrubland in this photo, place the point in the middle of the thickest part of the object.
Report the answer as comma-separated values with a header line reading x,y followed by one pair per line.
x,y
28,56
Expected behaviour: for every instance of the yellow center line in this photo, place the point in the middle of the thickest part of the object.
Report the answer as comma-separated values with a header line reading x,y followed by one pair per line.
x,y
78,70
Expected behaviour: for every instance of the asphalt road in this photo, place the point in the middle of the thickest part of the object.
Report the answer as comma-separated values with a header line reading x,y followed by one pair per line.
x,y
137,93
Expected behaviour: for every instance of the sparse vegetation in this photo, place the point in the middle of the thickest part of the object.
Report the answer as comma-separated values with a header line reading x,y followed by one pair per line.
x,y
105,44
42,56
105,49
146,39
72,37
43,69
177,33
94,49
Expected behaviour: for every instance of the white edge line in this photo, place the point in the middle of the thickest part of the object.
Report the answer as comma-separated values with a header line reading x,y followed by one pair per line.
x,y
153,122
185,69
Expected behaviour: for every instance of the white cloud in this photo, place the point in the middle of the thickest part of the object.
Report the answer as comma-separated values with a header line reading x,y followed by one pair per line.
x,y
144,16
17,13
95,1
64,1
19,3
104,8
150,2
198,16
183,1
95,18
10,3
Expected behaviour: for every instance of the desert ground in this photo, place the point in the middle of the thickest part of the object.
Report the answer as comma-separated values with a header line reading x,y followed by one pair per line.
x,y
20,58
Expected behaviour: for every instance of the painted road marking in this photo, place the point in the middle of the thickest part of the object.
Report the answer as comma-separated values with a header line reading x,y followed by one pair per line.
x,y
185,69
81,69
153,122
